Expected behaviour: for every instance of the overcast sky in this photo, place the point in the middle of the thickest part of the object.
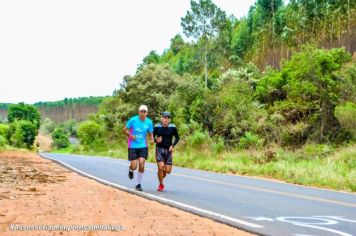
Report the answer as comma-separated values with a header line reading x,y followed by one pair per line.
x,y
52,49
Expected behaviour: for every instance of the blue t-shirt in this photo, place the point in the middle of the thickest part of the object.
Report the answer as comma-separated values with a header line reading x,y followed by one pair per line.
x,y
139,129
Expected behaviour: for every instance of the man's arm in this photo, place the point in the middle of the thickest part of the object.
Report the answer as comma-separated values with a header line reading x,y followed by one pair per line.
x,y
126,130
176,137
156,138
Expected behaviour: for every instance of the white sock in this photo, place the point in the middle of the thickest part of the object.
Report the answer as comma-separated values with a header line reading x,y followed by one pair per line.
x,y
131,170
139,177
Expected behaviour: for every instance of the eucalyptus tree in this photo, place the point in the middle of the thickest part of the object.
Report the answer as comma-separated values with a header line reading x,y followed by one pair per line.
x,y
203,23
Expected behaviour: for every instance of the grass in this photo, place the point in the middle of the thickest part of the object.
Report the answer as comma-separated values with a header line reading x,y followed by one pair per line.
x,y
11,148
313,165
335,169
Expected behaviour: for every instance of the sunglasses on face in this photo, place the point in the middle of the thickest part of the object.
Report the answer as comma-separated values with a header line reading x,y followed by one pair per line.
x,y
143,111
167,117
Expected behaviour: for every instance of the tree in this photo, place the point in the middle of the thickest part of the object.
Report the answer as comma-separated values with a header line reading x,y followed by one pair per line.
x,y
91,135
188,90
22,111
22,133
152,86
177,43
203,22
152,57
60,138
307,89
182,57
241,40
268,11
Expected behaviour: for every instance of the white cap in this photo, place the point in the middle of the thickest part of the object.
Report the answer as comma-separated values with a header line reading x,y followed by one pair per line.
x,y
143,107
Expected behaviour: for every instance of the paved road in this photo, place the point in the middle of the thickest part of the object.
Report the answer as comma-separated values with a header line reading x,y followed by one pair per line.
x,y
260,206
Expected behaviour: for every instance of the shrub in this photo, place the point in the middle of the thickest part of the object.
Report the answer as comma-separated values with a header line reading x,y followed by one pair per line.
x,y
183,130
218,145
3,132
317,150
250,140
198,138
60,138
91,135
22,133
294,134
3,141
346,115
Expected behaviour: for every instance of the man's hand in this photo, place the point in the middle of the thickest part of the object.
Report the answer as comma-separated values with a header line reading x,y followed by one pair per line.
x,y
159,139
171,148
133,137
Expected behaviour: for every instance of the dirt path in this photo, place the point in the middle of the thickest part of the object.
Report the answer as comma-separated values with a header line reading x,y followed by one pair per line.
x,y
44,142
36,192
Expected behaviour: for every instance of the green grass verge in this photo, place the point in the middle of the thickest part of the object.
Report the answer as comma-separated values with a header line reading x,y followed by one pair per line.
x,y
6,148
313,165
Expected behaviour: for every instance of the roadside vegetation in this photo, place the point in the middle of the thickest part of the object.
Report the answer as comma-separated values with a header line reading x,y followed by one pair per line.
x,y
21,128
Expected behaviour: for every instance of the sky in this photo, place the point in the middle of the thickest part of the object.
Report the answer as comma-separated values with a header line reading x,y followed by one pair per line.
x,y
52,49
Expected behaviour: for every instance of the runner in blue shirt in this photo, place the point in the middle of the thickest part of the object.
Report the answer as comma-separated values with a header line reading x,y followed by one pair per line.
x,y
136,130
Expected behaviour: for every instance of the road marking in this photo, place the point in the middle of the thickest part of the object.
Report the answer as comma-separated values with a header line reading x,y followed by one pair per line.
x,y
260,218
202,212
340,218
314,225
316,222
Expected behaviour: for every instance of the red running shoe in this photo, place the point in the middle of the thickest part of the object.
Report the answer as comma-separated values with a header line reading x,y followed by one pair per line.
x,y
160,187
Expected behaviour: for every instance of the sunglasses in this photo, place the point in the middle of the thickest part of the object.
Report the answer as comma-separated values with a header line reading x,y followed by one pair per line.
x,y
143,111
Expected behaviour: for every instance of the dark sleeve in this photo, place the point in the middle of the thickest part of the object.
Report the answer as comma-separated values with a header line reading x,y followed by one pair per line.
x,y
176,136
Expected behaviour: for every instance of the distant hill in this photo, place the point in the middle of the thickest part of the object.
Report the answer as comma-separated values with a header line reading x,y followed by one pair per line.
x,y
63,110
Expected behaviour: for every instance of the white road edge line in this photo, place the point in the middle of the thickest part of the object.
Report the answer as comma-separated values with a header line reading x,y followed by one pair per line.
x,y
167,201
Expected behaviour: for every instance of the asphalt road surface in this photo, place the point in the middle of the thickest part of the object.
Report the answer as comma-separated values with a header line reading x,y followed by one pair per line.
x,y
259,206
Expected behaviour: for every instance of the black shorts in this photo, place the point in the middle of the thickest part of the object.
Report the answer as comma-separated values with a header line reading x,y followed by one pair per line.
x,y
135,153
163,155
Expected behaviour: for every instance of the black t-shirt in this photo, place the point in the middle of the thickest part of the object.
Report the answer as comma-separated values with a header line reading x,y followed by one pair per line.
x,y
167,134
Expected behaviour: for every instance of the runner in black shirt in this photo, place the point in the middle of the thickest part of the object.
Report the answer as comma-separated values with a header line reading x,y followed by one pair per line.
x,y
163,134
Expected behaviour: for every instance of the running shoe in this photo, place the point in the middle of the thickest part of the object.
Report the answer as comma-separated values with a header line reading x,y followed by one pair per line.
x,y
131,175
138,187
160,187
